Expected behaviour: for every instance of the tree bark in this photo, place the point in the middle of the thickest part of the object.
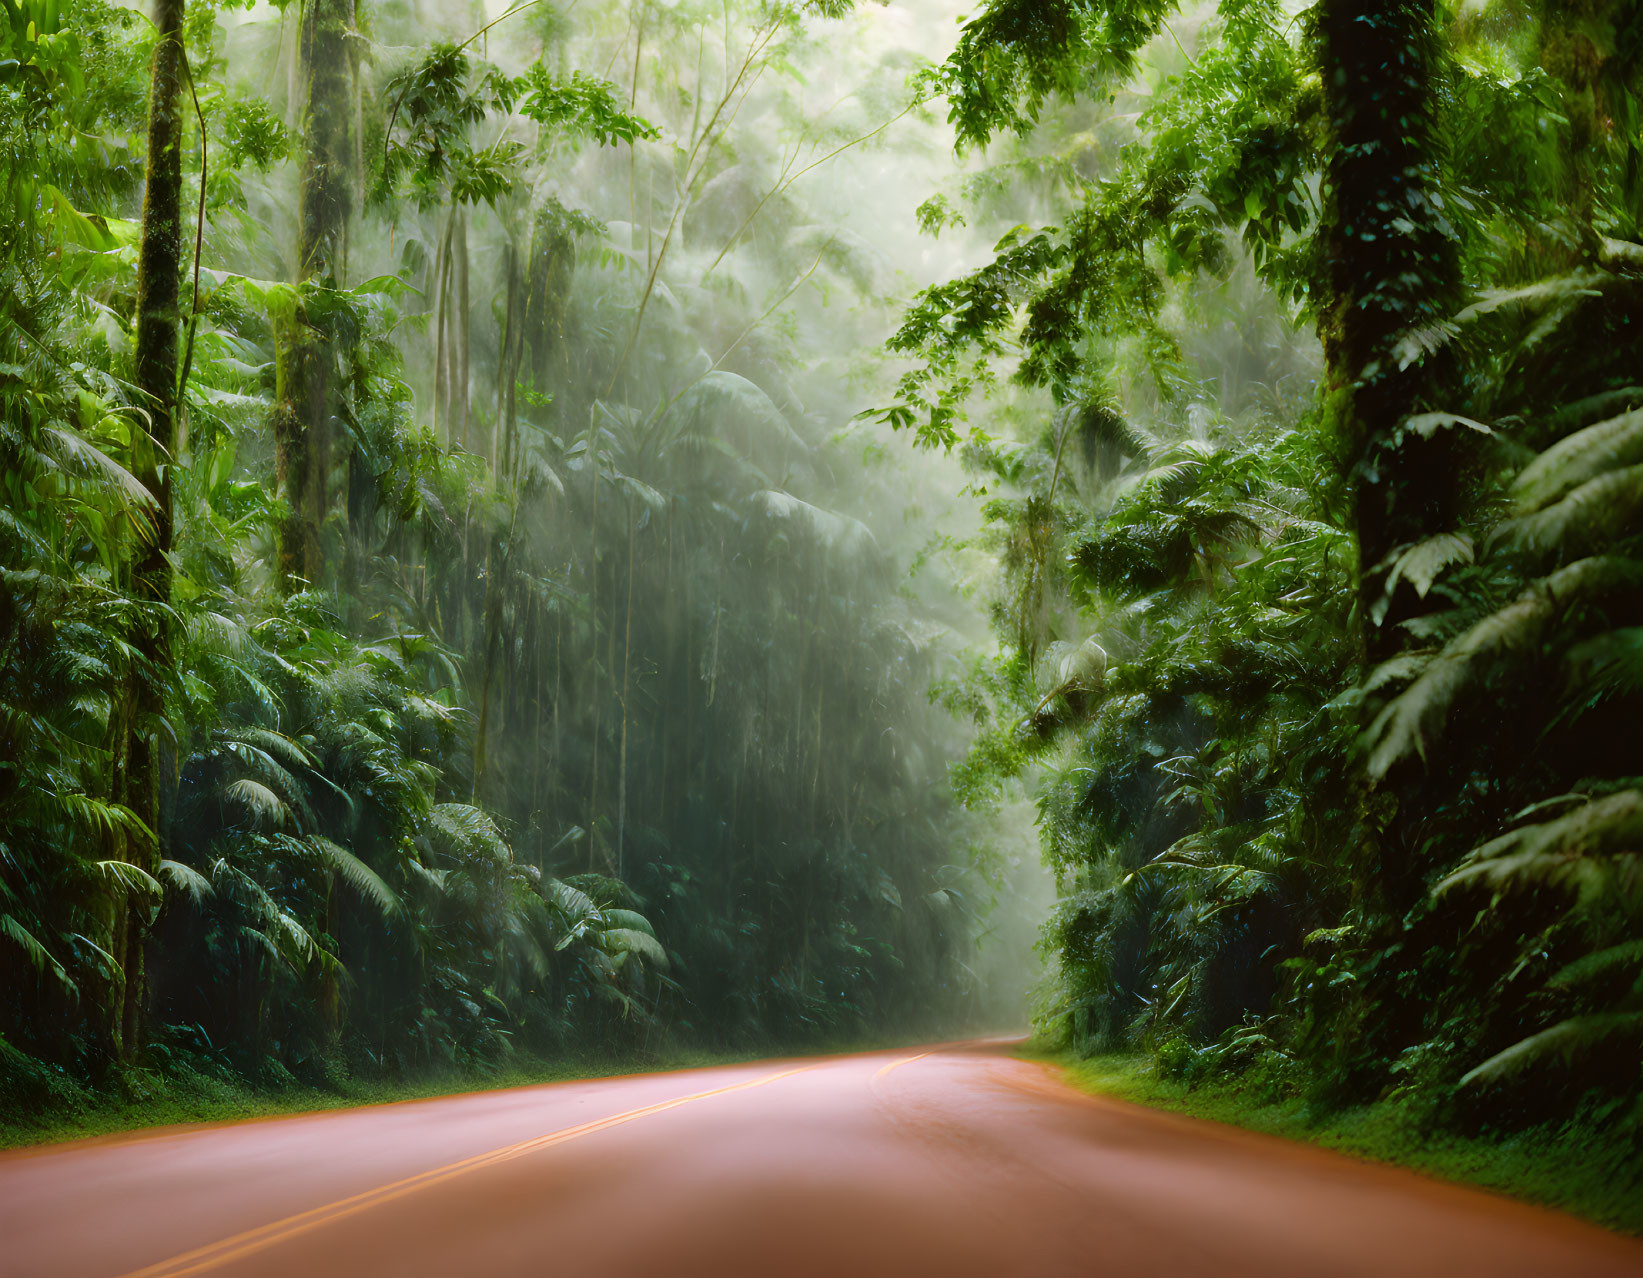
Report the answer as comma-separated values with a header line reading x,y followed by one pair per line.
x,y
548,273
154,375
1393,272
459,381
302,443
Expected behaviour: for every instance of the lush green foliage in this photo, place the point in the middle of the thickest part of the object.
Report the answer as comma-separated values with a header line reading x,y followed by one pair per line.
x,y
552,695
1320,656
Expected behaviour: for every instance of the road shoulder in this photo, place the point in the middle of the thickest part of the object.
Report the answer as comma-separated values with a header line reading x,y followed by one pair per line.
x,y
1593,1173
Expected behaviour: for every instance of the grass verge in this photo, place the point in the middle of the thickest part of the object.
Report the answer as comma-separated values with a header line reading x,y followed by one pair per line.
x,y
38,1108
1576,1168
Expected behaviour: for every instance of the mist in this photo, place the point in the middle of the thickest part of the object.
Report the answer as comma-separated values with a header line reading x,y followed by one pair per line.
x,y
555,636
551,540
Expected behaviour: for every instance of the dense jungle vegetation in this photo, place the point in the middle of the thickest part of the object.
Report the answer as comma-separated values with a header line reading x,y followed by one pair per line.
x,y
1304,402
448,610
470,583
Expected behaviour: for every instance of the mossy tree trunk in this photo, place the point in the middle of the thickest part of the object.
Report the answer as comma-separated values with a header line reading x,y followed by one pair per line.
x,y
154,376
1393,272
302,410
306,357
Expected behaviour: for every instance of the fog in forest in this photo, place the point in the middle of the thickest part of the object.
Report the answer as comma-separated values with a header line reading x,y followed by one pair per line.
x,y
556,635
624,532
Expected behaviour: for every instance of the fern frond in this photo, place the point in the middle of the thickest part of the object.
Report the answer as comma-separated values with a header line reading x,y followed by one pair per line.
x,y
1560,289
461,828
1566,1043
1625,959
1597,513
1417,716
1421,564
1581,850
1584,456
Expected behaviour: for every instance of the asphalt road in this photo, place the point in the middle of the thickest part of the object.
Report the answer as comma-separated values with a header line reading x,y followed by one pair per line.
x,y
953,1162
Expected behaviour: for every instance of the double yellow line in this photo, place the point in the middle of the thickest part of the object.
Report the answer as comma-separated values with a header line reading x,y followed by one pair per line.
x,y
264,1236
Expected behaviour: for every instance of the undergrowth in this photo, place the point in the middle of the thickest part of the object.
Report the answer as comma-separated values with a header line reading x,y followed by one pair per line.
x,y
40,1104
1580,1166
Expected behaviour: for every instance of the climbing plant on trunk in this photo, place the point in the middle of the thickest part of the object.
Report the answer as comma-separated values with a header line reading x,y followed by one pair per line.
x,y
154,377
1391,280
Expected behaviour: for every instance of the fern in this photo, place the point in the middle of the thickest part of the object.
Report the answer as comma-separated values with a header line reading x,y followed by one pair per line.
x,y
1584,851
1582,457
1566,1044
1418,717
1589,519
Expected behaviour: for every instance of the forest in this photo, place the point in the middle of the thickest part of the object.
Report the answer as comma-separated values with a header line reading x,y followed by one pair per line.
x,y
580,526
443,611
1310,441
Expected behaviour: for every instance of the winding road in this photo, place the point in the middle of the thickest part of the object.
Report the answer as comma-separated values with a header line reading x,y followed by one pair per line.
x,y
954,1161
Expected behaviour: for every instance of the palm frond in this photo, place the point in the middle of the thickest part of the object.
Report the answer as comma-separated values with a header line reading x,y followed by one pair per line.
x,y
265,808
185,879
85,460
40,959
359,876
128,879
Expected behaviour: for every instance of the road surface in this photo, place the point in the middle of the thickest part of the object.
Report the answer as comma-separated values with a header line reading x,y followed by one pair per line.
x,y
953,1162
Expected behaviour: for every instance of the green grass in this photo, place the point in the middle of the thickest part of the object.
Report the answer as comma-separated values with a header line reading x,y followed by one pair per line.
x,y
40,1106
1587,1172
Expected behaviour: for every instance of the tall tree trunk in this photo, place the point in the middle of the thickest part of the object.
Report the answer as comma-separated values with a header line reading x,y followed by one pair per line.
x,y
496,575
154,374
459,382
548,274
302,444
1393,279
502,426
1394,272
627,666
302,410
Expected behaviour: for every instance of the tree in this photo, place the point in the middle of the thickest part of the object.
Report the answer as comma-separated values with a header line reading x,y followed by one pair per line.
x,y
1392,276
305,358
155,378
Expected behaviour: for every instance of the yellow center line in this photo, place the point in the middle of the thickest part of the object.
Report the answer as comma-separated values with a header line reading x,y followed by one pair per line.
x,y
906,1060
264,1236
